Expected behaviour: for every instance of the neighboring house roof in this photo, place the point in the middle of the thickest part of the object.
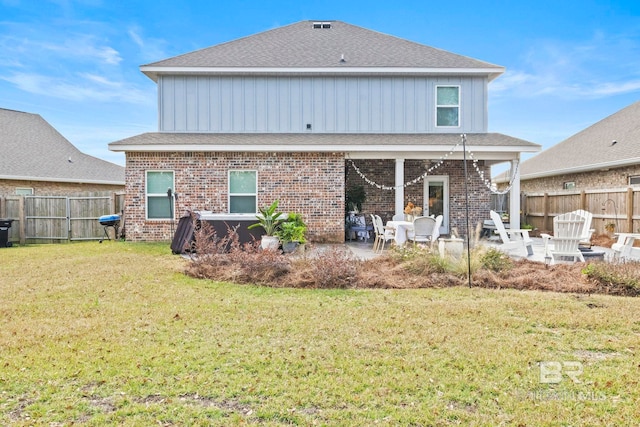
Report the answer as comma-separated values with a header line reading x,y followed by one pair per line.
x,y
352,143
611,142
341,48
31,149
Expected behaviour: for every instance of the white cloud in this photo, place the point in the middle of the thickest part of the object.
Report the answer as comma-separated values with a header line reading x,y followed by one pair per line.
x,y
597,68
151,49
84,88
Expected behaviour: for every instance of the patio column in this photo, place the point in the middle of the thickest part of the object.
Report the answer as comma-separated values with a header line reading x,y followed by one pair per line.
x,y
399,186
514,196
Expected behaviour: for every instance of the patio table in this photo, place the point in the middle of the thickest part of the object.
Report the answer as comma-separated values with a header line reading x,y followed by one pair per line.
x,y
401,228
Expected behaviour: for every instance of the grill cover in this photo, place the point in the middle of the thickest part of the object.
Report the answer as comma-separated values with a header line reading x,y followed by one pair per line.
x,y
109,219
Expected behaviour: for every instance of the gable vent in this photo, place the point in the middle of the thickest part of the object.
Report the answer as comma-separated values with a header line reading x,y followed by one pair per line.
x,y
322,25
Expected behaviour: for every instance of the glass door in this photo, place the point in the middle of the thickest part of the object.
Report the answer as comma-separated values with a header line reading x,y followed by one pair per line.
x,y
436,199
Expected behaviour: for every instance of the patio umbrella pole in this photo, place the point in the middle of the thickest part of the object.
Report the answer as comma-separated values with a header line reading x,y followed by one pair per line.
x,y
466,205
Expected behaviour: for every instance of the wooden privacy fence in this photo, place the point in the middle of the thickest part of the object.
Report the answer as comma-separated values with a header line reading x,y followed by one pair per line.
x,y
618,207
50,219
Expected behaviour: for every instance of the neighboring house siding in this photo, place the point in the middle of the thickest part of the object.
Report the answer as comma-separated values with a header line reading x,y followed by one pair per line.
x,y
612,178
381,202
44,188
311,184
328,104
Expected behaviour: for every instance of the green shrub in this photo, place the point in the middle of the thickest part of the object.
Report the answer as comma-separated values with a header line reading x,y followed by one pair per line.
x,y
615,278
495,260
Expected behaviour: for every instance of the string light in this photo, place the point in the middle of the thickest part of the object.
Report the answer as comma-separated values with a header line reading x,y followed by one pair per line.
x,y
439,163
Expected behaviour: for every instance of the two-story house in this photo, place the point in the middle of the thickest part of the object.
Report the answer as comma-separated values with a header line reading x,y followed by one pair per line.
x,y
300,113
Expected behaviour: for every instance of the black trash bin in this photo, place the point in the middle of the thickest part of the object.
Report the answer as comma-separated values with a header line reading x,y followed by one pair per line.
x,y
5,225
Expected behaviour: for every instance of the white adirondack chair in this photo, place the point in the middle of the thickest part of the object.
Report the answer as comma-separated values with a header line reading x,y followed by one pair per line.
x,y
623,249
511,238
587,231
567,234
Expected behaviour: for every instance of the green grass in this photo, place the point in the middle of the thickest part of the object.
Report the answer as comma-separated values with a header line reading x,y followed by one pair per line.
x,y
114,333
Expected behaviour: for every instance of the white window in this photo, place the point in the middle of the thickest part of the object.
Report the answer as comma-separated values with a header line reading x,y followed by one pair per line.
x,y
159,203
448,106
24,191
243,191
634,180
570,185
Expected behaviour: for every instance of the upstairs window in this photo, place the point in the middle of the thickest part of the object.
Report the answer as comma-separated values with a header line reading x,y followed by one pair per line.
x,y
634,180
448,106
159,204
243,191
569,185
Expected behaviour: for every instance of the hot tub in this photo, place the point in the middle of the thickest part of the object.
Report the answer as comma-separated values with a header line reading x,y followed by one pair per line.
x,y
223,222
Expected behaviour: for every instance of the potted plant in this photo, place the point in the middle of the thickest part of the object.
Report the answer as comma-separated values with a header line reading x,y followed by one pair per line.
x,y
355,196
269,219
610,227
292,232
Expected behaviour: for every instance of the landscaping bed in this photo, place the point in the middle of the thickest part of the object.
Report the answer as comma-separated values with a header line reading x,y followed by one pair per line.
x,y
403,268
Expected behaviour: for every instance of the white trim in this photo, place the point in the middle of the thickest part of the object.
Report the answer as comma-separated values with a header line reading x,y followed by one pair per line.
x,y
480,152
459,106
154,71
444,228
146,194
240,194
580,169
71,180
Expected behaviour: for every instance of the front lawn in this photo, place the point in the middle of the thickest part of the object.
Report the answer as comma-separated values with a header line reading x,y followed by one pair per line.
x,y
115,333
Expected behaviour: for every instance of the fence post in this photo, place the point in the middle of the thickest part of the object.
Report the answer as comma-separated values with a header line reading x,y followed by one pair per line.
x,y
545,217
629,210
23,221
3,207
583,200
113,201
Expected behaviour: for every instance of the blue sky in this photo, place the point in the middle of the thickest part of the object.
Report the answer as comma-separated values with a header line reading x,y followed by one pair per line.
x,y
76,62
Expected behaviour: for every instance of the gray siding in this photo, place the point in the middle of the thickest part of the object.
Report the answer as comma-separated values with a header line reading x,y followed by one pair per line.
x,y
329,104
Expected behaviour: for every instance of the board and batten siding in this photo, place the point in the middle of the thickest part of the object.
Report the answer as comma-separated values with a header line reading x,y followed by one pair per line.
x,y
329,104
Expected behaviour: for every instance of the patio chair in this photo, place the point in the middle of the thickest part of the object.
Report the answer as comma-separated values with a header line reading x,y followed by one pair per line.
x,y
436,229
511,238
377,233
386,233
567,234
587,231
423,229
623,248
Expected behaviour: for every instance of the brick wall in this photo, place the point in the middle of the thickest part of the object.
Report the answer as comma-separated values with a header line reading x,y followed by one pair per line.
x,y
612,178
43,188
382,202
311,184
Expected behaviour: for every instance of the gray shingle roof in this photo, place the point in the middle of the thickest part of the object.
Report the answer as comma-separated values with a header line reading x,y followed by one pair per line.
x,y
592,148
32,149
299,45
160,141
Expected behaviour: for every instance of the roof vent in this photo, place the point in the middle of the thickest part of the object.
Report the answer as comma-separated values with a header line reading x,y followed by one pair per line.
x,y
322,25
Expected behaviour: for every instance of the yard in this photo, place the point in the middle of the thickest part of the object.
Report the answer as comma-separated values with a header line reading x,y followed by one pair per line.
x,y
115,333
